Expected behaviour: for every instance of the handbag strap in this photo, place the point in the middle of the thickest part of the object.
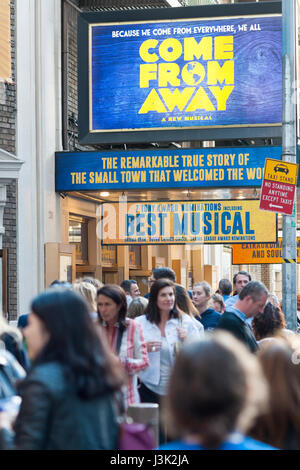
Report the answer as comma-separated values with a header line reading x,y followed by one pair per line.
x,y
119,339
118,394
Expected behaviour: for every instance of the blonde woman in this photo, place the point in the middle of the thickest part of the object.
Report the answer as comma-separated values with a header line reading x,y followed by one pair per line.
x,y
201,297
217,303
89,292
93,280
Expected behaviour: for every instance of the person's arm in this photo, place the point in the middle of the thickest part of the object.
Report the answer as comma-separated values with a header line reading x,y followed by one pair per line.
x,y
31,427
140,360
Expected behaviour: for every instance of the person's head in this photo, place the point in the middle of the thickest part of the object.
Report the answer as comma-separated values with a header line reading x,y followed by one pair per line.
x,y
217,303
89,292
216,386
161,301
111,304
240,279
201,294
134,289
252,298
162,273
184,302
125,285
137,307
225,287
273,299
280,360
268,323
130,287
94,281
62,284
60,329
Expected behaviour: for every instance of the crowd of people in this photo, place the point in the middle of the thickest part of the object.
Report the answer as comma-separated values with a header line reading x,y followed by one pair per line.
x,y
222,366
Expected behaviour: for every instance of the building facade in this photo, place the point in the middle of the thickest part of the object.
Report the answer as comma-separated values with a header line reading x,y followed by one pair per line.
x,y
56,233
9,163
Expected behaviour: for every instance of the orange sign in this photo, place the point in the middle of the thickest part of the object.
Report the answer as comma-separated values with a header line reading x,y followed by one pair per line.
x,y
260,253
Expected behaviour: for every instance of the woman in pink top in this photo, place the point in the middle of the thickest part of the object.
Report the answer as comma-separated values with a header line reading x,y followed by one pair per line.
x,y
124,336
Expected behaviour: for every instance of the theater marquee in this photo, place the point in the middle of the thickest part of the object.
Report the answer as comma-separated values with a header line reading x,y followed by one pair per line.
x,y
145,77
164,168
180,222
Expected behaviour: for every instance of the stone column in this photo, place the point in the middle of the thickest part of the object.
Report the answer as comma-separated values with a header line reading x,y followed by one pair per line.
x,y
38,55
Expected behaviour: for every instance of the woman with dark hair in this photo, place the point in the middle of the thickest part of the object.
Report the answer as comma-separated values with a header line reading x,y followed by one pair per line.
x,y
215,391
164,327
268,323
67,397
124,337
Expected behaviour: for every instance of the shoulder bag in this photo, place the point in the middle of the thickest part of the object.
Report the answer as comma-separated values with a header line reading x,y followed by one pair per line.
x,y
132,436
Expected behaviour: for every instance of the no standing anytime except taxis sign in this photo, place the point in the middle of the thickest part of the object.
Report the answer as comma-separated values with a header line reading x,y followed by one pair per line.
x,y
278,186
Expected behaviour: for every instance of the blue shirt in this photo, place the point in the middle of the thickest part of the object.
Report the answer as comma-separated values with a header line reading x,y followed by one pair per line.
x,y
237,313
235,441
231,301
209,319
241,315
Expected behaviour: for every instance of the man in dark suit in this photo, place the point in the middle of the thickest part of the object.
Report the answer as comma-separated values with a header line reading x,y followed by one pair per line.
x,y
251,301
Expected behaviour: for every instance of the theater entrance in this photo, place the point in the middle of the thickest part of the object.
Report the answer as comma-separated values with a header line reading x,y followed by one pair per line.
x,y
192,262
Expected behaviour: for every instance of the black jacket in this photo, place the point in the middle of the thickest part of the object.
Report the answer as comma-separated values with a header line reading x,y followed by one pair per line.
x,y
230,322
52,416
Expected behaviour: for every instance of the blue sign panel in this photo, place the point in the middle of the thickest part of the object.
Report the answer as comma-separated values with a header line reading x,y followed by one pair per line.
x,y
195,73
153,169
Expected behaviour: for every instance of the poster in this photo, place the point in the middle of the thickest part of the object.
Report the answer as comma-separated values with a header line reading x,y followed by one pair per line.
x,y
192,73
172,222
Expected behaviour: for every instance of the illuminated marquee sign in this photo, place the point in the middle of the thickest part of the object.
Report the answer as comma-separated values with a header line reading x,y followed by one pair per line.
x,y
180,222
152,169
180,74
